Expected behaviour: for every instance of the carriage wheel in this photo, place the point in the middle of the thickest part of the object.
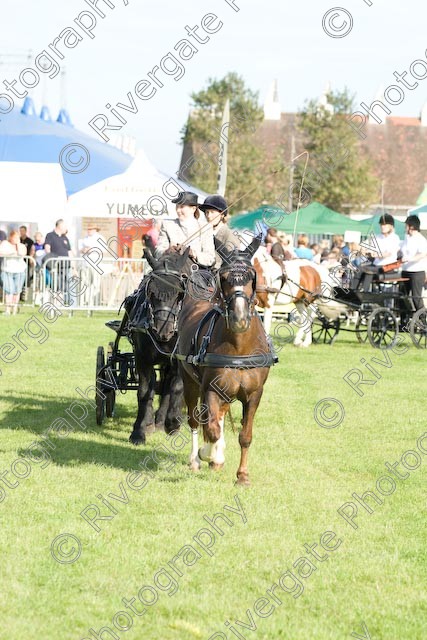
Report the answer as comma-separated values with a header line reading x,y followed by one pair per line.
x,y
418,329
362,329
383,328
100,401
325,331
110,400
110,403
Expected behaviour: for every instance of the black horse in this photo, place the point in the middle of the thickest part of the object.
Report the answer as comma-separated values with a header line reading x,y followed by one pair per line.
x,y
151,323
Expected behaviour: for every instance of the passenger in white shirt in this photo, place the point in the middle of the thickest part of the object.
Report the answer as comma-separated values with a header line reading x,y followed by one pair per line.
x,y
388,243
414,257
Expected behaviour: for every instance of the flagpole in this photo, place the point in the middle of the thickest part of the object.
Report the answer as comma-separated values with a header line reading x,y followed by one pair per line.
x,y
223,151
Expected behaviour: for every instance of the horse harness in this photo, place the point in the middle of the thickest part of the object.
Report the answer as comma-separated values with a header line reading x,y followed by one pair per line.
x,y
202,358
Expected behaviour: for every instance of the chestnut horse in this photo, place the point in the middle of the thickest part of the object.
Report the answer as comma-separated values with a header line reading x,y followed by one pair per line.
x,y
224,355
301,285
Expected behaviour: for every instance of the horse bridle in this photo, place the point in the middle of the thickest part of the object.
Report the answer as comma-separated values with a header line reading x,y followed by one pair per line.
x,y
237,294
170,310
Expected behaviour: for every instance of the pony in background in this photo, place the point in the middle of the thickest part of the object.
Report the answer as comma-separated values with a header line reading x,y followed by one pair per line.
x,y
303,284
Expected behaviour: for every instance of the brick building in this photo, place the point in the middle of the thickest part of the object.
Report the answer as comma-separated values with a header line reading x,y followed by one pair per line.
x,y
397,148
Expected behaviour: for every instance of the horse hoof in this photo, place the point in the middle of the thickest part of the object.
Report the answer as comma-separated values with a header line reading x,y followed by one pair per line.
x,y
149,428
136,439
216,466
243,480
194,465
160,426
172,427
204,459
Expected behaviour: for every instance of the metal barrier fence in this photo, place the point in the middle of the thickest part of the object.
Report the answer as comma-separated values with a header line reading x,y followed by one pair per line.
x,y
78,285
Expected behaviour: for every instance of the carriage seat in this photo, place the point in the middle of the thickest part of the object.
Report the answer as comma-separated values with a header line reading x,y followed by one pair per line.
x,y
114,325
391,277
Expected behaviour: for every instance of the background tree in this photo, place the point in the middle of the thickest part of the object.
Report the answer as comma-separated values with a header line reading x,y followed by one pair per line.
x,y
339,173
246,158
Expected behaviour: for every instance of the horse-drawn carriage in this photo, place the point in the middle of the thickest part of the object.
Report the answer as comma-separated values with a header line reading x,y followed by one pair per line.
x,y
379,315
325,307
222,352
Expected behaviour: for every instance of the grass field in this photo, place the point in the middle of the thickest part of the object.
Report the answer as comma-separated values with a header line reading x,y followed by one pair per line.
x,y
372,584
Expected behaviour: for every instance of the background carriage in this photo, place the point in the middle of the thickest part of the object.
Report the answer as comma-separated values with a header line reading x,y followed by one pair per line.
x,y
380,315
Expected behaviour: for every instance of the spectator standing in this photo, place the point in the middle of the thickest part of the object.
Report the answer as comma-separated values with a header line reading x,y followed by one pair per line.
x,y
29,244
414,258
14,269
3,236
332,259
303,250
270,238
90,241
57,245
316,253
338,243
39,251
282,248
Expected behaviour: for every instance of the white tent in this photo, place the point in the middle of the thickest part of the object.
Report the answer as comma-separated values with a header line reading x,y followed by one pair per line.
x,y
32,192
140,188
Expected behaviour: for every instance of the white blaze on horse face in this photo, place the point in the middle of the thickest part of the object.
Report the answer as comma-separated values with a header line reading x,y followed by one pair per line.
x,y
239,312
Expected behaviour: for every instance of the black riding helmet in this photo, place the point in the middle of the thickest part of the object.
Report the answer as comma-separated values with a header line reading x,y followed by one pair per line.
x,y
215,202
386,218
413,222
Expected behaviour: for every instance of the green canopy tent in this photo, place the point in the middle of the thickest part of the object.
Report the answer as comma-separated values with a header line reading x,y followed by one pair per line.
x,y
313,219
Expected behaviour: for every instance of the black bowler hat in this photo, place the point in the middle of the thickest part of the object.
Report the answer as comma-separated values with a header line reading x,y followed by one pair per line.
x,y
386,218
186,197
214,202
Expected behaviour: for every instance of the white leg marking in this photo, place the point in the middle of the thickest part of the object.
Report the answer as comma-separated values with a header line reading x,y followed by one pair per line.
x,y
214,451
268,319
207,452
218,454
194,455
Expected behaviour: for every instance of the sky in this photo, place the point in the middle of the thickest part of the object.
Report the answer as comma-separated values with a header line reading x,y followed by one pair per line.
x,y
261,41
